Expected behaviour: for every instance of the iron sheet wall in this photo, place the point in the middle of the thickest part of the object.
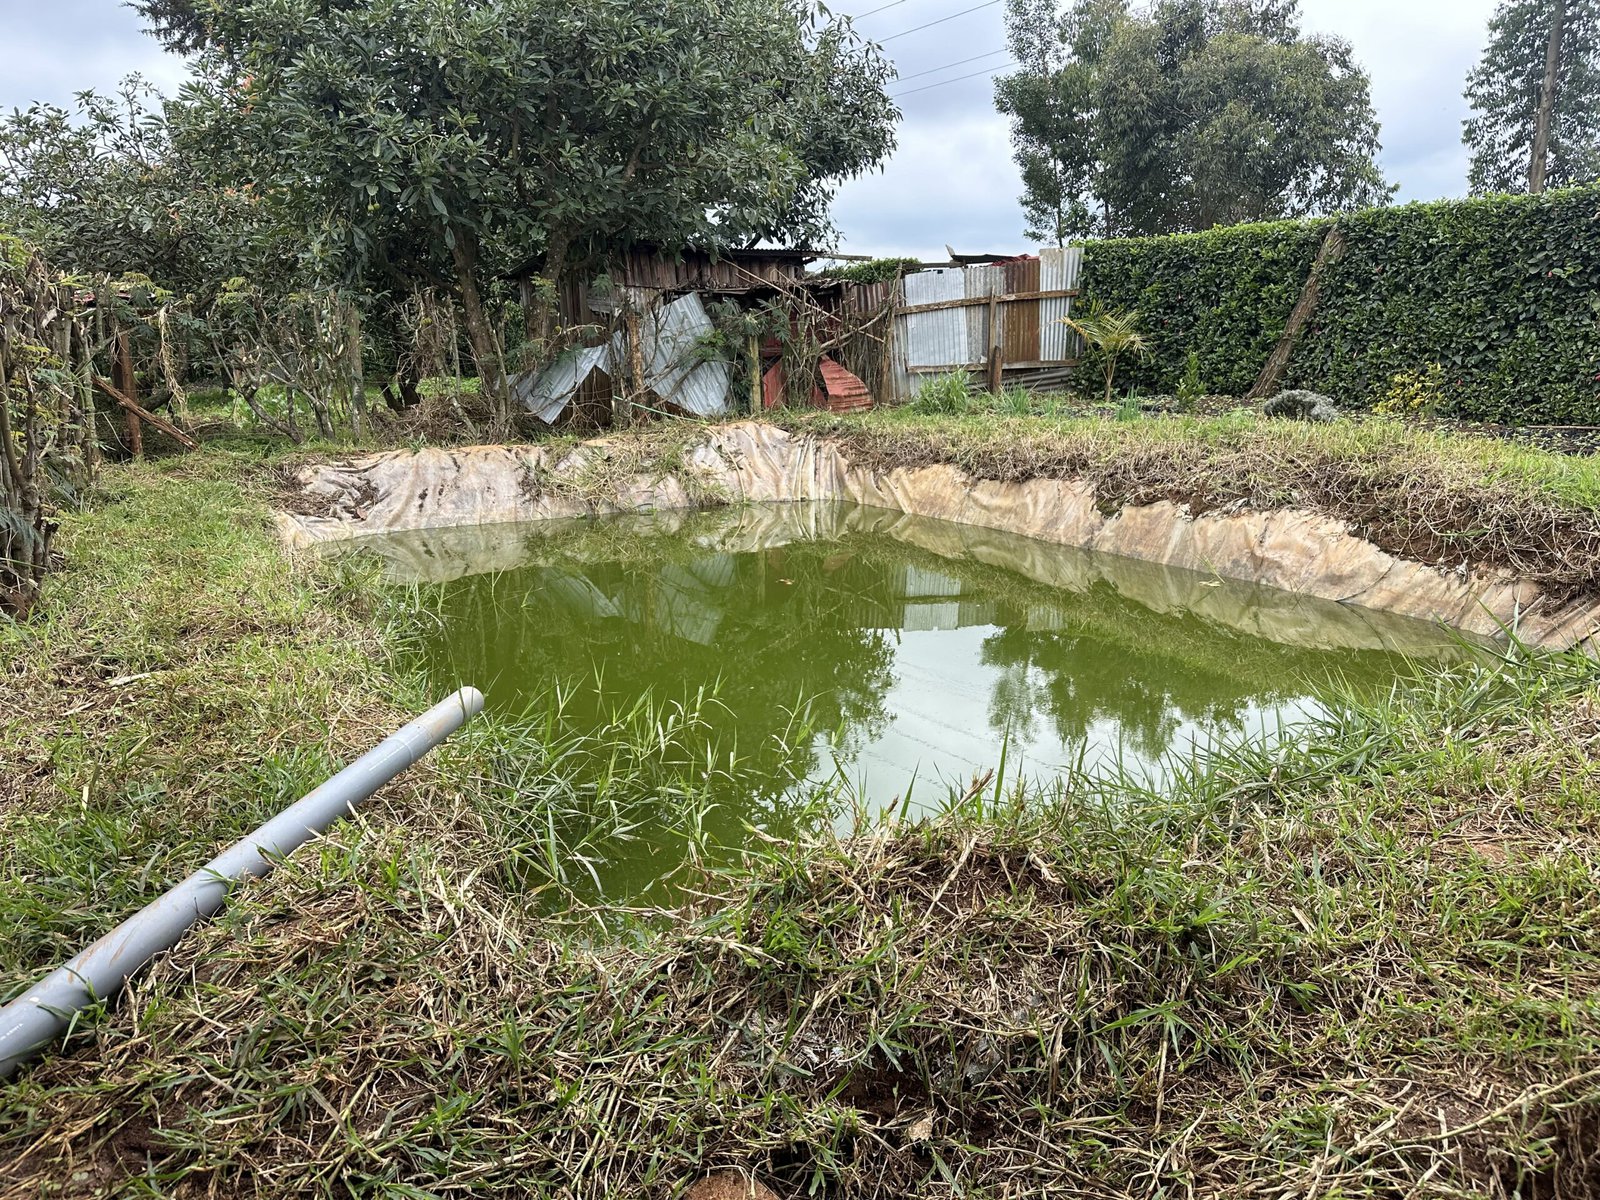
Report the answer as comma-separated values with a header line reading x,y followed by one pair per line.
x,y
1036,346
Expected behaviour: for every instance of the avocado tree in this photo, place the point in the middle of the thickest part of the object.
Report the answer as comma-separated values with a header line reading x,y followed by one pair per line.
x,y
449,139
112,186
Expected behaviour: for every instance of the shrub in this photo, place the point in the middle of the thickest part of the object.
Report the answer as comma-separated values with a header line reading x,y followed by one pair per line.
x,y
1109,333
1413,393
875,270
1190,389
1502,292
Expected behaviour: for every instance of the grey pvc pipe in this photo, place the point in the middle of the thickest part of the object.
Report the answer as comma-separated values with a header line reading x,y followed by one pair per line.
x,y
44,1011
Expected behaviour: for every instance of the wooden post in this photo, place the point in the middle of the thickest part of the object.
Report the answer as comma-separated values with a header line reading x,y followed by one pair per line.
x,y
358,381
530,322
622,407
888,382
83,369
996,355
135,413
755,375
1271,377
122,375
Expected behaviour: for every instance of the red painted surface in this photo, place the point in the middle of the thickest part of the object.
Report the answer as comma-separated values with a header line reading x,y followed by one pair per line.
x,y
773,383
840,391
845,391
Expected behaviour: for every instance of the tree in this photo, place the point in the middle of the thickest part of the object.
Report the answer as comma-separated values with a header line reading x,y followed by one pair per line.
x,y
1192,114
460,136
1110,333
1051,105
1535,98
47,444
131,185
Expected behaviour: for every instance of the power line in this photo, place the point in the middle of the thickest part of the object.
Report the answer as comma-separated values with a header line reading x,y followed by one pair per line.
x,y
947,66
940,21
879,9
929,86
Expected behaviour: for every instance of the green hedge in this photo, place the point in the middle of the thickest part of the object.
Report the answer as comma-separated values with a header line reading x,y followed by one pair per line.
x,y
1502,292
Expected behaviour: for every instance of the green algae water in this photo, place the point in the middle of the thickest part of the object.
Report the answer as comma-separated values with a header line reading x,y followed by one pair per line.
x,y
871,658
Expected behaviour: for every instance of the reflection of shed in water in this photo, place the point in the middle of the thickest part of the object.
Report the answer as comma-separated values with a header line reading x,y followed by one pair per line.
x,y
685,601
682,600
693,600
576,594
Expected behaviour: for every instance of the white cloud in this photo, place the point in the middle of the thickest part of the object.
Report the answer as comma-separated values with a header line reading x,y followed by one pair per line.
x,y
1418,55
54,50
951,180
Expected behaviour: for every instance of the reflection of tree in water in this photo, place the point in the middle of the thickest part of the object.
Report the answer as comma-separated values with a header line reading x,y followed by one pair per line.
x,y
816,625
782,630
1116,661
1013,703
1076,682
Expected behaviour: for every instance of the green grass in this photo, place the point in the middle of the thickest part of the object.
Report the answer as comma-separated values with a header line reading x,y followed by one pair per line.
x,y
1438,497
983,422
183,682
1364,965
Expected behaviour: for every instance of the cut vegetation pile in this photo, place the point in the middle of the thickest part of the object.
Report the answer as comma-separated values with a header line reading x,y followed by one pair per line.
x,y
1367,965
1434,498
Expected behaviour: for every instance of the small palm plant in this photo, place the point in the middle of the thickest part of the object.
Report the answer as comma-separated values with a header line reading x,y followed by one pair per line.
x,y
1113,332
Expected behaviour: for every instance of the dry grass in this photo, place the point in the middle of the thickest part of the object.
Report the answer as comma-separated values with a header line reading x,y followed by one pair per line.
x,y
597,471
1434,497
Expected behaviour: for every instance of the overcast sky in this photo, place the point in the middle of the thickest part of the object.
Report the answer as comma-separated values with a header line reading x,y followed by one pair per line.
x,y
952,179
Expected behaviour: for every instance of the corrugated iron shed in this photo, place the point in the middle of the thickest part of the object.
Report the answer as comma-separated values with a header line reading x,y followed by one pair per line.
x,y
674,371
1030,296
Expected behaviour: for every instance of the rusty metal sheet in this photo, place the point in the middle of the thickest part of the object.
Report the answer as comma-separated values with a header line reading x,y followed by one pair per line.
x,y
1019,322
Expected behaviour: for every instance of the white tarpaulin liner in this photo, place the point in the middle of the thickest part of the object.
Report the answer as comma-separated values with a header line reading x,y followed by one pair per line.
x,y
673,370
1307,554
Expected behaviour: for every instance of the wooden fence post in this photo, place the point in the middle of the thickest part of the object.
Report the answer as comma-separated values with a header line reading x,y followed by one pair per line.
x,y
996,354
754,349
122,376
886,375
357,368
1271,379
622,407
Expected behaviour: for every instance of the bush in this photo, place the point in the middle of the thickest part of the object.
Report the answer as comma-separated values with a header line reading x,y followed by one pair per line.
x,y
874,270
1414,393
1223,294
1190,390
1503,292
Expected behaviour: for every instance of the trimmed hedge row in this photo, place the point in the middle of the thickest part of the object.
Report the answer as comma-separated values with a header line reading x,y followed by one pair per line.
x,y
1502,292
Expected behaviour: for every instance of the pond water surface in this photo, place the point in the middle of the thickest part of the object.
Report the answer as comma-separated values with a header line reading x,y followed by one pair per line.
x,y
905,653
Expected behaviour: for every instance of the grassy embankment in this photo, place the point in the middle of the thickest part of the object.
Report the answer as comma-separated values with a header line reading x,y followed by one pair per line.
x,y
1365,966
1433,496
